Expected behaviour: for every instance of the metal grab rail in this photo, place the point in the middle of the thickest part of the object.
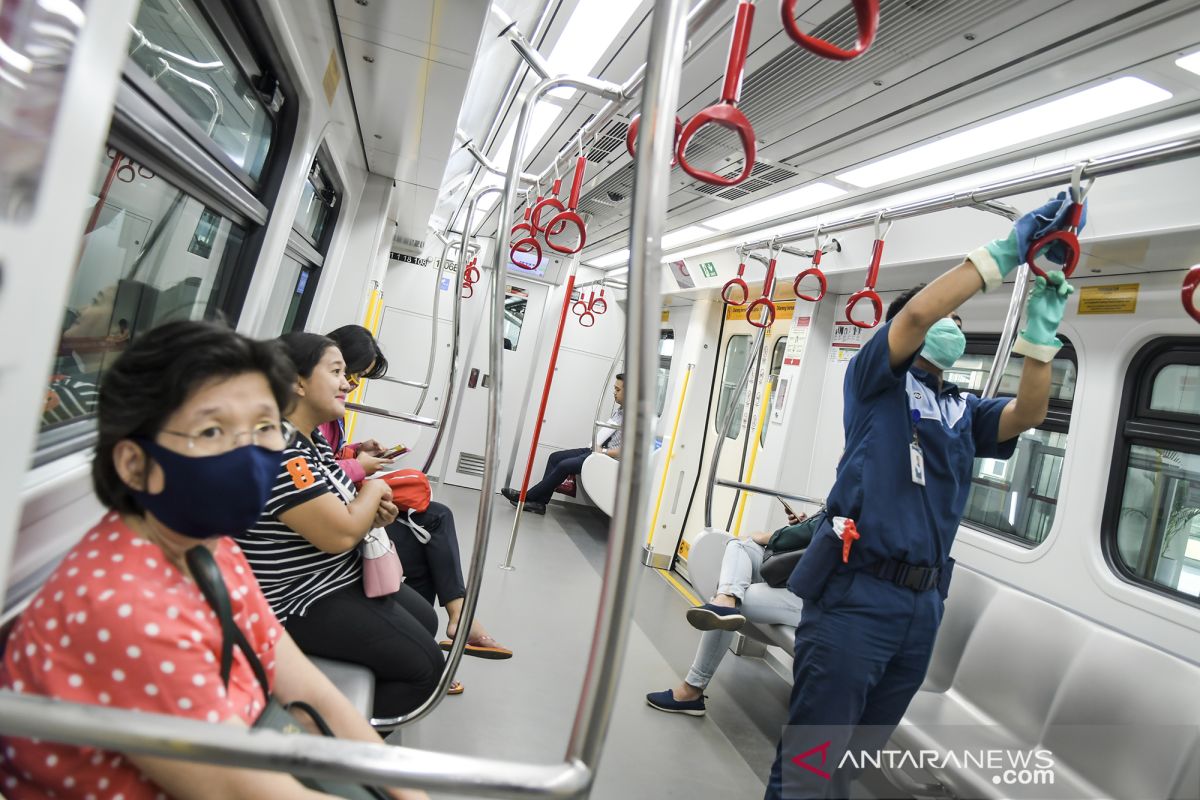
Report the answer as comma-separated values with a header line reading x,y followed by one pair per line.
x,y
403,382
126,731
752,489
752,365
398,416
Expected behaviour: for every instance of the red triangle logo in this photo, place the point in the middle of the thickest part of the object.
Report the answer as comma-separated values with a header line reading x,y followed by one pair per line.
x,y
823,749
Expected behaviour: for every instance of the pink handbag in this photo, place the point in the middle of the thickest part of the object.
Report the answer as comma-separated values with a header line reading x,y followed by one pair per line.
x,y
382,571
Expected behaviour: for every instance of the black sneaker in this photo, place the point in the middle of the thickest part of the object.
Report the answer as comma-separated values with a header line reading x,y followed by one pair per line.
x,y
534,507
511,495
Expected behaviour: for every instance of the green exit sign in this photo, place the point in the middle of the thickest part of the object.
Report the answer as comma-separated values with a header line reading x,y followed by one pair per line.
x,y
708,269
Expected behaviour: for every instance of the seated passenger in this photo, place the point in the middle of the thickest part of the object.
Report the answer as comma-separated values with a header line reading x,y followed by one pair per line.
x,y
741,596
433,568
564,463
189,414
304,549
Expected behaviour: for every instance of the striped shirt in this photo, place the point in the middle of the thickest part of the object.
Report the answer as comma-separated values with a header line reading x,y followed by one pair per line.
x,y
292,572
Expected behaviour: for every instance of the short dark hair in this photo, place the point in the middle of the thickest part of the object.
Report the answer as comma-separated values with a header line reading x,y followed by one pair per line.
x,y
360,350
620,377
157,373
305,350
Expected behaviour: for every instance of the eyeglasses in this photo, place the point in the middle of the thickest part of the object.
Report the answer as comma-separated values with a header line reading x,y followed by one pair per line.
x,y
354,377
214,441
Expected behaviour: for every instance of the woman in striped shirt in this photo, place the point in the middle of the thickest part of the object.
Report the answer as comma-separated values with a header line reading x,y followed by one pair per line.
x,y
304,549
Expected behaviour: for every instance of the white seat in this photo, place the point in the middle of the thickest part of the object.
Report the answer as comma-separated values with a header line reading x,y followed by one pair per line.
x,y
704,568
598,477
353,680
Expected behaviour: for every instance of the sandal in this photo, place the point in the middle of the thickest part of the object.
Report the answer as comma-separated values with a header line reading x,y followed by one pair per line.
x,y
456,688
480,647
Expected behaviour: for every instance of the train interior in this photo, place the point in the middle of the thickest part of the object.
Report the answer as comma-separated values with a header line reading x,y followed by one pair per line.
x,y
291,165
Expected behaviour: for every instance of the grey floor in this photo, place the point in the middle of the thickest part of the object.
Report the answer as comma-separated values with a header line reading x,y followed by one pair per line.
x,y
522,709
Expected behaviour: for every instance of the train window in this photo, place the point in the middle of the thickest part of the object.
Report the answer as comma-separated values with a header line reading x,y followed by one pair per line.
x,y
666,351
140,266
318,204
776,367
1017,499
1151,530
737,351
176,46
516,300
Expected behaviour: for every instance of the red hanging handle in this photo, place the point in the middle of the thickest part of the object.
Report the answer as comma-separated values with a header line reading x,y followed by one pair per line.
x,y
1069,236
765,302
814,271
470,275
580,306
865,11
589,317
599,305
525,226
559,222
631,138
737,282
726,113
868,291
1190,282
542,204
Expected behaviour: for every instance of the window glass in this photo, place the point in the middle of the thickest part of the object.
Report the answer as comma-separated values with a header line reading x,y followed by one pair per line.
x,y
1158,530
138,268
971,371
285,300
1177,389
174,44
737,351
666,349
515,301
317,201
1019,497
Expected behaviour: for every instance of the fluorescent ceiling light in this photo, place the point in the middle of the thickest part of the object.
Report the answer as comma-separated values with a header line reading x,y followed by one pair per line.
x,y
701,249
1080,108
544,115
685,235
784,203
609,259
1190,63
592,27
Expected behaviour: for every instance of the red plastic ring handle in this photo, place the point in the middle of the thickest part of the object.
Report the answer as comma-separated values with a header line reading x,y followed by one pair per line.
x,y
471,274
526,245
1068,236
735,283
866,13
727,116
468,291
588,316
1190,282
768,318
558,224
631,138
876,302
599,306
816,273
541,205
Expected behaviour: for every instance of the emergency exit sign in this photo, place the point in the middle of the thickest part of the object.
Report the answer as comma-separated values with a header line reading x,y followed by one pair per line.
x,y
708,269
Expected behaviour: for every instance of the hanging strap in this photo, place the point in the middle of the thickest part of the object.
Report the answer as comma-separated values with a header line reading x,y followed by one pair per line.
x,y
208,577
423,536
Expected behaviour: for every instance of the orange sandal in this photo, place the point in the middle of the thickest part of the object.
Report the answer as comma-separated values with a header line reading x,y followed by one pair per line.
x,y
456,688
480,647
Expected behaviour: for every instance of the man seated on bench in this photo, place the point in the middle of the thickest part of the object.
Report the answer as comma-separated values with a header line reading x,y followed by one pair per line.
x,y
564,463
743,595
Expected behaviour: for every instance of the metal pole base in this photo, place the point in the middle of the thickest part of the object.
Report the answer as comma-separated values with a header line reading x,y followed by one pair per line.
x,y
655,560
508,567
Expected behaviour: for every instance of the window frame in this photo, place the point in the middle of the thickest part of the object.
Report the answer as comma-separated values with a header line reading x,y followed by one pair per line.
x,y
1138,424
152,129
1058,420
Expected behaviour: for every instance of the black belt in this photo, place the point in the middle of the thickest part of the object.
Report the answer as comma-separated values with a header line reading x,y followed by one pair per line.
x,y
910,576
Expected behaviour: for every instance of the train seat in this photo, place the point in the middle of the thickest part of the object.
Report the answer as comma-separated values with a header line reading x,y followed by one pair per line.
x,y
356,682
598,477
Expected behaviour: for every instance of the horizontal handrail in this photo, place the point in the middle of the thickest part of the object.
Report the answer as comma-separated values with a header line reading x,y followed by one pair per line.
x,y
747,487
402,382
399,416
125,731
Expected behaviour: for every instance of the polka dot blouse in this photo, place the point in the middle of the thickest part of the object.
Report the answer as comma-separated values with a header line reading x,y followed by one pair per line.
x,y
118,625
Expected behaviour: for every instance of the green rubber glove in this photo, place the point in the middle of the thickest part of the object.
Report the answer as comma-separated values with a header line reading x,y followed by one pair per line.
x,y
1043,313
996,259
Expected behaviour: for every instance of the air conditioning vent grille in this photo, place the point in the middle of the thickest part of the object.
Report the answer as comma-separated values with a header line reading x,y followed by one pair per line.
x,y
470,464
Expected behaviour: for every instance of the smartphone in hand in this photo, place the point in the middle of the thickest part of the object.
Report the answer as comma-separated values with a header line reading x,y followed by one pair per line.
x,y
395,452
788,508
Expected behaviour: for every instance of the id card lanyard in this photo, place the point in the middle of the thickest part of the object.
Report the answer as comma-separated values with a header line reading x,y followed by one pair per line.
x,y
915,455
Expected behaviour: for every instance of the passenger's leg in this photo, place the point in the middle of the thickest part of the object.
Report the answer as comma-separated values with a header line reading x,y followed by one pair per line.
x,y
392,636
418,572
569,462
739,568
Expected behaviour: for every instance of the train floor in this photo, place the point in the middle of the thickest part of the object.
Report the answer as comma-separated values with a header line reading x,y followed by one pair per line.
x,y
522,708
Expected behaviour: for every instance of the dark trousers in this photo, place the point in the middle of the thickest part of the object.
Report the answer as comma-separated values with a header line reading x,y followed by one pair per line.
x,y
392,636
862,649
560,464
433,568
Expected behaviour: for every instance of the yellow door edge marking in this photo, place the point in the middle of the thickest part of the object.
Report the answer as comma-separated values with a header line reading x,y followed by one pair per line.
x,y
680,587
371,322
662,485
749,477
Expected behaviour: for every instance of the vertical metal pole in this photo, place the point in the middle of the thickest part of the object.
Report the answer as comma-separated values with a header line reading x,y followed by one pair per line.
x,y
1008,333
541,413
651,186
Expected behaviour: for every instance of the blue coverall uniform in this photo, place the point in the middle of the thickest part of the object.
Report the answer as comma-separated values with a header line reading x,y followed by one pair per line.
x,y
868,626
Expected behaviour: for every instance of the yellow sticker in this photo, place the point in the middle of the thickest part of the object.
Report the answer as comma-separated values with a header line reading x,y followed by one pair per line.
x,y
783,312
333,76
1117,298
684,547
666,316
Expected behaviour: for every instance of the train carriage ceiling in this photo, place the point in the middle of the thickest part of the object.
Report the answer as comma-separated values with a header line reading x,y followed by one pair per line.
x,y
937,66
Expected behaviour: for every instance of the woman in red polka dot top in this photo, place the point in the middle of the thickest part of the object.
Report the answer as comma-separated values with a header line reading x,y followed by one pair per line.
x,y
188,414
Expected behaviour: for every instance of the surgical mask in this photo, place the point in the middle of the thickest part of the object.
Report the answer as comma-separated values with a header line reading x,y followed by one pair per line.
x,y
207,496
944,344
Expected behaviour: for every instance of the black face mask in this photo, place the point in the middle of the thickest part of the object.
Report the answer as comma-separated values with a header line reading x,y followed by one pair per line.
x,y
207,496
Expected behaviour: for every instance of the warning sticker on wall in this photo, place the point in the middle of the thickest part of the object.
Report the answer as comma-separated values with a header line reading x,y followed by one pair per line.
x,y
847,339
1117,298
797,338
783,311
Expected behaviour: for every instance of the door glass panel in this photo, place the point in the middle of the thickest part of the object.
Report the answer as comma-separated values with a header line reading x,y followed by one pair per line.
x,y
737,351
666,350
516,300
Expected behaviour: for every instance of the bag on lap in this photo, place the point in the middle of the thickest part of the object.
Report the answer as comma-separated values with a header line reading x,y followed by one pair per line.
x,y
785,547
411,492
276,716
382,571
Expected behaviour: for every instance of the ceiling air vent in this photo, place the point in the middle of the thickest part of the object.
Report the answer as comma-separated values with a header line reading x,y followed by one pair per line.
x,y
763,176
611,138
610,200
470,464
